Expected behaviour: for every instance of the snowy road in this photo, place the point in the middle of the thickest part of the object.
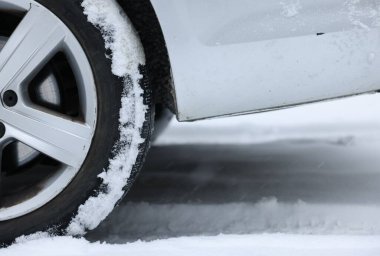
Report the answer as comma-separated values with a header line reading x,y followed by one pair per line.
x,y
277,187
296,182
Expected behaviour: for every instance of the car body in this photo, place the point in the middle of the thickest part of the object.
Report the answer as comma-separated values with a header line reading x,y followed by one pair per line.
x,y
243,56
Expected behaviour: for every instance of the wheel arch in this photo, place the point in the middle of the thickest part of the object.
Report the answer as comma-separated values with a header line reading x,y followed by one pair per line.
x,y
145,21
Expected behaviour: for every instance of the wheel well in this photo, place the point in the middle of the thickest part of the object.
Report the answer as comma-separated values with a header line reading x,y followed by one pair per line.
x,y
145,21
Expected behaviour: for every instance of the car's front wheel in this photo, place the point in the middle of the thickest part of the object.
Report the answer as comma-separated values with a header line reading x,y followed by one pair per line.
x,y
69,128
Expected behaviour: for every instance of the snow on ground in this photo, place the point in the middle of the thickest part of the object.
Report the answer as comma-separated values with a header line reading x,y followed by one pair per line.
x,y
152,221
268,226
258,245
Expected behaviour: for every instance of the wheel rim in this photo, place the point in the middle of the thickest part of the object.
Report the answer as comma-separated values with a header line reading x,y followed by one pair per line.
x,y
47,111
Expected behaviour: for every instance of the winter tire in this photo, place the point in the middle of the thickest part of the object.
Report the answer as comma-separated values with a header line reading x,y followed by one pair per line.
x,y
64,126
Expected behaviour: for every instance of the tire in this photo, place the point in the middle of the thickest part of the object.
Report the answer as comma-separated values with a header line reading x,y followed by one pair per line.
x,y
56,214
162,119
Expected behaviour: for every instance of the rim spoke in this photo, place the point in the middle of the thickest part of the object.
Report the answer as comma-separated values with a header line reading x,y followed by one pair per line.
x,y
60,138
36,39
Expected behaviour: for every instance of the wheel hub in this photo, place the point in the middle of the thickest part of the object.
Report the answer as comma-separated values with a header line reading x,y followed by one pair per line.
x,y
48,110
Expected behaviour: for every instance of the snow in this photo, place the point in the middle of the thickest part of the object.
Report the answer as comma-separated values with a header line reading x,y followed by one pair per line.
x,y
152,220
260,245
125,47
127,55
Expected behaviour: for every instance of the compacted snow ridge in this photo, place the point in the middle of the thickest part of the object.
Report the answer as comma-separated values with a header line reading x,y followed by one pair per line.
x,y
157,221
127,55
32,237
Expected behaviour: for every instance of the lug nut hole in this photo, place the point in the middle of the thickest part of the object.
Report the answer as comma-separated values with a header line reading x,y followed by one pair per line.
x,y
10,98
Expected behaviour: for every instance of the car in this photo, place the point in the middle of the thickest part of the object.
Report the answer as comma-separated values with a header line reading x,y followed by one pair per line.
x,y
84,82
